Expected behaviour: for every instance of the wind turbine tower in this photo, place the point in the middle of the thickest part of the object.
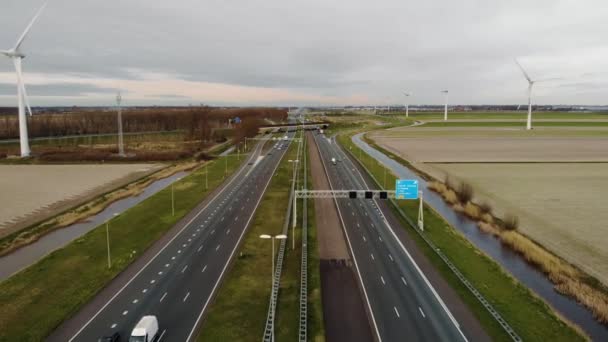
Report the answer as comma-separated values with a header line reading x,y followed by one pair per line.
x,y
530,85
445,110
16,55
407,104
121,148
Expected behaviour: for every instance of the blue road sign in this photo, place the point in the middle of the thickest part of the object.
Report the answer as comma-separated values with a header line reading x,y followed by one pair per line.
x,y
406,189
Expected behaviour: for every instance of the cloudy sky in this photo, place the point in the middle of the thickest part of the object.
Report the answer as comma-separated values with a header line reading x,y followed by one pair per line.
x,y
307,52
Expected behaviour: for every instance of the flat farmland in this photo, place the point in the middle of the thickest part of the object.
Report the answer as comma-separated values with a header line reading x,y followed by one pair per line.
x,y
553,178
496,144
562,206
30,193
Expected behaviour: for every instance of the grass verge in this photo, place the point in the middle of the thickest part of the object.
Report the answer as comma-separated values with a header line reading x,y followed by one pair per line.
x,y
36,300
531,317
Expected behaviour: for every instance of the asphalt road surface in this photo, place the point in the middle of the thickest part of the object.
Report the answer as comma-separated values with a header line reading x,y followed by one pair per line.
x,y
401,302
178,283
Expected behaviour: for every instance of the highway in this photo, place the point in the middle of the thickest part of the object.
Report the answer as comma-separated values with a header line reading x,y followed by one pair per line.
x,y
402,304
178,283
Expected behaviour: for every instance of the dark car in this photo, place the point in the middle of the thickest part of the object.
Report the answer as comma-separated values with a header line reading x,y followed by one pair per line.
x,y
115,337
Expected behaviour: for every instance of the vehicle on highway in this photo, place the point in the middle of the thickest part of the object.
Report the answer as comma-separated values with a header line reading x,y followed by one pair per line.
x,y
146,330
333,161
115,337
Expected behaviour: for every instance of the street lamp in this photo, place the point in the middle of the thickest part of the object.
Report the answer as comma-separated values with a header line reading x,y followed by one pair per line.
x,y
277,237
293,226
173,196
108,238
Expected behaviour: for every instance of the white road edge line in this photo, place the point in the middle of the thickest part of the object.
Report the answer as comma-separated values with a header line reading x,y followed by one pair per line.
x,y
233,251
234,177
369,306
445,308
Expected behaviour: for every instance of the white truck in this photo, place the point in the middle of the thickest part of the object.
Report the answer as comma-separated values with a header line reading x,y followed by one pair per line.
x,y
146,330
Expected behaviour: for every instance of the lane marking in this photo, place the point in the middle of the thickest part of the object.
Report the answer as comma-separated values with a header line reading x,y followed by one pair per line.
x,y
160,273
124,313
199,249
184,269
380,238
144,290
421,312
152,281
403,280
161,335
382,278
232,254
213,232
445,308
135,301
228,232
179,251
163,297
372,256
217,248
236,218
391,257
184,245
204,268
113,326
187,295
396,312
172,258
364,239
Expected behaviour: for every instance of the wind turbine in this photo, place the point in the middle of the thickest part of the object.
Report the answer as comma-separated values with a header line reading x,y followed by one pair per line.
x,y
530,84
17,56
407,105
445,111
121,148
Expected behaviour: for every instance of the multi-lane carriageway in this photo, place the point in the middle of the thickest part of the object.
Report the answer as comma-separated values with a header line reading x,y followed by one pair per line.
x,y
402,303
178,283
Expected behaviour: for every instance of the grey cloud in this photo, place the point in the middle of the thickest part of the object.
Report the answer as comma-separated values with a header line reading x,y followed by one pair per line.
x,y
341,48
55,89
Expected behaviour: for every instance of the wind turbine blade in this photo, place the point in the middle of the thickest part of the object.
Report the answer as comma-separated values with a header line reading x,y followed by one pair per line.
x,y
522,70
549,79
20,84
25,99
4,52
29,26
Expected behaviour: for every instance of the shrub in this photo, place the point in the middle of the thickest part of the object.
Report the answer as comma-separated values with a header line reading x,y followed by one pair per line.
x,y
464,192
472,210
485,208
510,222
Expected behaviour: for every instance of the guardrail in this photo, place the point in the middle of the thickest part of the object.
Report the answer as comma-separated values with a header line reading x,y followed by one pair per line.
x,y
495,314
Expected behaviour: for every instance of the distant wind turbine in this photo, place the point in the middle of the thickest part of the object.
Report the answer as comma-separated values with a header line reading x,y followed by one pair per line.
x,y
530,85
407,104
445,111
16,55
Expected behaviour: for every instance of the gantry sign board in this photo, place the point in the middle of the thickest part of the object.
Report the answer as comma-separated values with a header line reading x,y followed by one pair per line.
x,y
406,189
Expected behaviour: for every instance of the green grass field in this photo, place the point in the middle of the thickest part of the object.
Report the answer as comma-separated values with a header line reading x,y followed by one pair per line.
x,y
36,300
522,114
517,124
531,318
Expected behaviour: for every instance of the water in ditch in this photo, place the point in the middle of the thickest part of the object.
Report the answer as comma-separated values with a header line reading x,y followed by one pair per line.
x,y
27,255
508,259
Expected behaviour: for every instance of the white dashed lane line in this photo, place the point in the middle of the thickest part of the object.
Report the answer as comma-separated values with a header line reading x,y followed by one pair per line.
x,y
199,249
404,282
228,232
144,290
391,257
135,301
152,281
372,257
113,326
187,295
396,312
421,312
204,268
364,239
124,313
184,269
163,297
382,279
217,248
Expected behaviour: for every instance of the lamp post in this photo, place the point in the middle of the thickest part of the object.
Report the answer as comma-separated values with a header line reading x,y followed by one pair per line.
x,y
271,237
407,104
445,111
108,239
293,225
173,197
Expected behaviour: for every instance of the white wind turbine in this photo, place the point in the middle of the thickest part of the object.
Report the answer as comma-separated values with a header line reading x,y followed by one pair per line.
x,y
530,84
16,55
407,104
445,111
